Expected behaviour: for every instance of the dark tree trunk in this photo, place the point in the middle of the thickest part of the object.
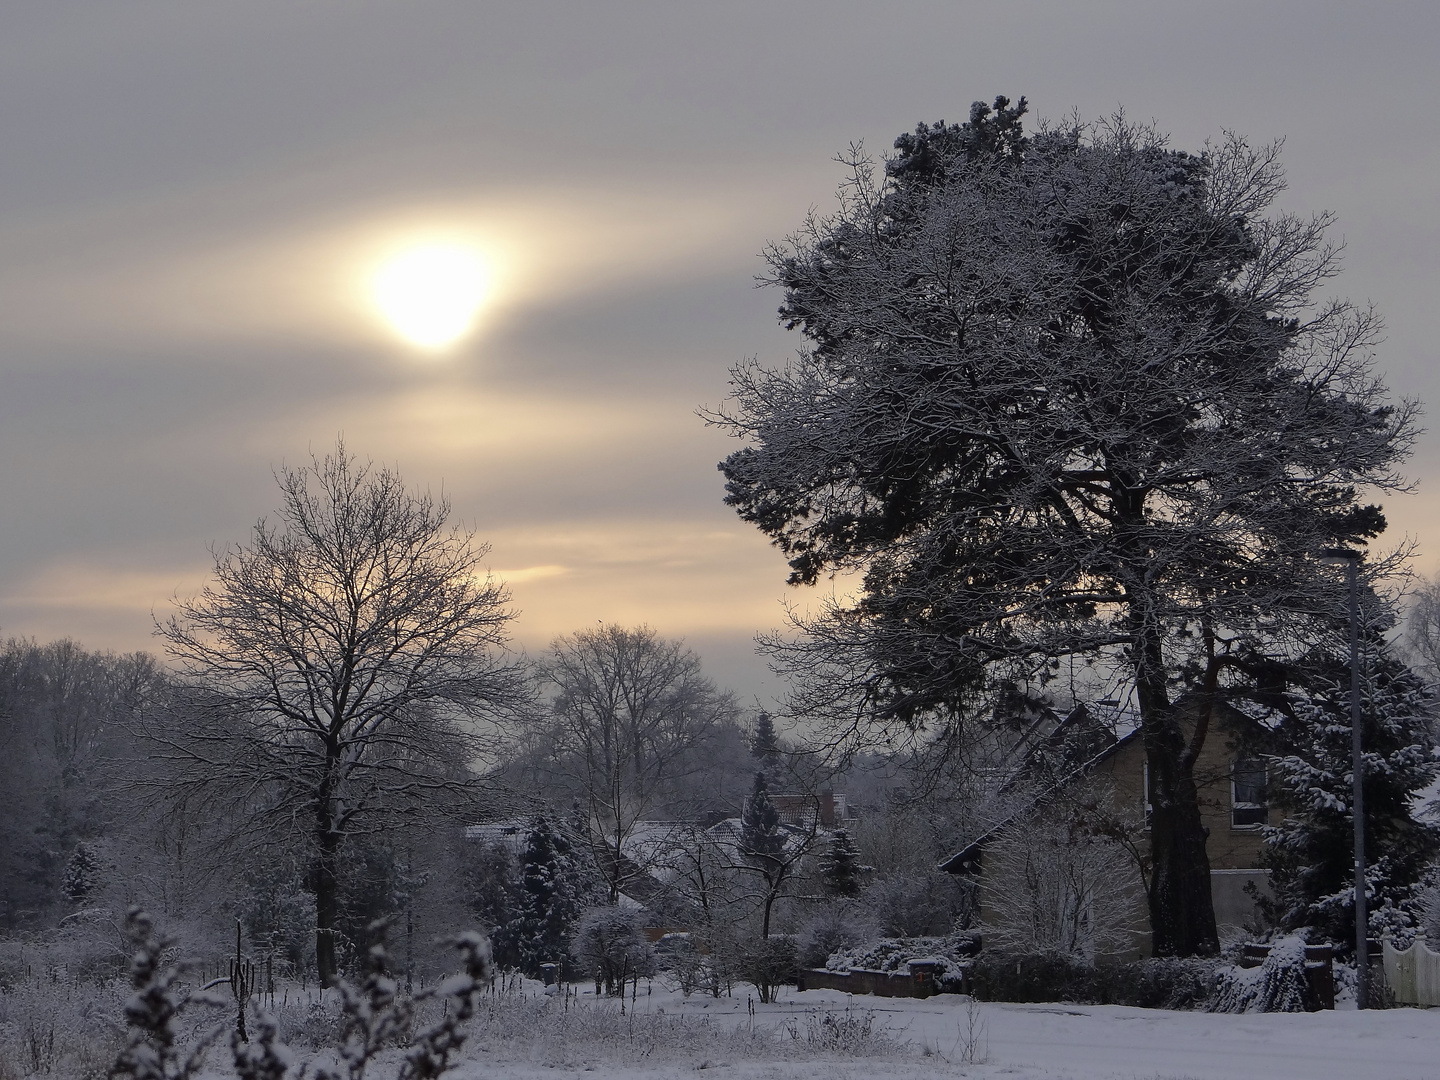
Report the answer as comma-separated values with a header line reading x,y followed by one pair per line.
x,y
1182,912
327,896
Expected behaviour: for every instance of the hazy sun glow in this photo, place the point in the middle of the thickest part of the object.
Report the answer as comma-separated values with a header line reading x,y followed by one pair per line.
x,y
430,294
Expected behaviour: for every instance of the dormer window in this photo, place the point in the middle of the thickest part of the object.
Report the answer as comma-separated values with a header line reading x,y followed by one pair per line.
x,y
1249,799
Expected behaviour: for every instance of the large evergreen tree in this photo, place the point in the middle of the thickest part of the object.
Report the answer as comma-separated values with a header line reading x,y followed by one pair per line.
x,y
760,833
1310,854
552,892
840,867
765,746
1070,393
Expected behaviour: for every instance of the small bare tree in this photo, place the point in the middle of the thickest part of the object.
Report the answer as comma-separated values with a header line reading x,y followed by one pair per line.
x,y
1064,881
631,716
1422,626
333,671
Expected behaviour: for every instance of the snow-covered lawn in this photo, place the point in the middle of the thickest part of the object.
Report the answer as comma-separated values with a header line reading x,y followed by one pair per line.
x,y
1026,1042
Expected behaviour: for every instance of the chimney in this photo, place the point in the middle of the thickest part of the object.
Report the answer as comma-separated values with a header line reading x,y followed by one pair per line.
x,y
827,808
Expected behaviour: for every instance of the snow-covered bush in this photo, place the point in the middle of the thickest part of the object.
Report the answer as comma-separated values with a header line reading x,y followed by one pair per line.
x,y
832,928
770,964
1058,882
680,962
915,904
1277,985
895,954
845,1032
610,946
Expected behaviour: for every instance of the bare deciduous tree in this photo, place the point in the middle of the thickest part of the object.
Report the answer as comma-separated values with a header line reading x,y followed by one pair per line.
x,y
1058,882
631,714
1422,629
334,668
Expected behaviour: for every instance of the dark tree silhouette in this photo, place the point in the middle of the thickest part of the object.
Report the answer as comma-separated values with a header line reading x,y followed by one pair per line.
x,y
1070,393
840,867
330,672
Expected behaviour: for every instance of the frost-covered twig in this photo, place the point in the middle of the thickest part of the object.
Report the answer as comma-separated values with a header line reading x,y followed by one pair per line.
x,y
430,1056
150,1051
264,1058
376,1016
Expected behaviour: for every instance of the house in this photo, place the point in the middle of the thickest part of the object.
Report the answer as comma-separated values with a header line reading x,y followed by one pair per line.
x,y
1097,749
829,809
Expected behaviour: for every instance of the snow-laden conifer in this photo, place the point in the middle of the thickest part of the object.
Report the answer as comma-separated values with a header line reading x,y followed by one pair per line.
x,y
1310,853
1069,394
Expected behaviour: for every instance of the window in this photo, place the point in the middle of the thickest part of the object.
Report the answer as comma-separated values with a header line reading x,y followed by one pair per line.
x,y
1249,802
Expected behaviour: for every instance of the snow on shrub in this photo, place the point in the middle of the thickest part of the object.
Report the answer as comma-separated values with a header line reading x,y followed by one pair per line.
x,y
895,954
609,946
833,928
1277,985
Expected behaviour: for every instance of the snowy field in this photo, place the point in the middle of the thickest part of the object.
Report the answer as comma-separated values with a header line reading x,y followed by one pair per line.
x,y
1018,1042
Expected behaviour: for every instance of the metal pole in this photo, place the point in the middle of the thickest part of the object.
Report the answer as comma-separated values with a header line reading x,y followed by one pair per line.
x,y
1357,796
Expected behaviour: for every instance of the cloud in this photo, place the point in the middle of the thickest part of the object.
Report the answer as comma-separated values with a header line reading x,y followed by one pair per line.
x,y
530,573
92,586
142,275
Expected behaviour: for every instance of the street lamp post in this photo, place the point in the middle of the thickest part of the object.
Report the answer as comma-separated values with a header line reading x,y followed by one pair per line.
x,y
1351,559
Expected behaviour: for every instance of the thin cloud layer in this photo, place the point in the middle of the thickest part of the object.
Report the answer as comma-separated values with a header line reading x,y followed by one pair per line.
x,y
197,199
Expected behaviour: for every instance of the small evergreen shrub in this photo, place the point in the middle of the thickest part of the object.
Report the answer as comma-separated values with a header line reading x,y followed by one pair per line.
x,y
1277,985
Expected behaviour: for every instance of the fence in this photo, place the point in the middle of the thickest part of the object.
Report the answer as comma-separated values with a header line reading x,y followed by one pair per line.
x,y
1413,974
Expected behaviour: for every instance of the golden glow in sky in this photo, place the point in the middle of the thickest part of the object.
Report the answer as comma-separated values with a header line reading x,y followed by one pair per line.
x,y
431,294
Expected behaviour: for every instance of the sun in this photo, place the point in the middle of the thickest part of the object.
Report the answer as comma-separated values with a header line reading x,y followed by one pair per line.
x,y
431,294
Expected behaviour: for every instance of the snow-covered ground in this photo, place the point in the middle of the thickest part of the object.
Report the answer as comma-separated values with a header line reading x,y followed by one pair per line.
x,y
1029,1042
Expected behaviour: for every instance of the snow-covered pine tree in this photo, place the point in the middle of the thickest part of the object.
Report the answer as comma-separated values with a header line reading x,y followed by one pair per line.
x,y
1310,855
763,845
760,833
765,744
840,868
82,874
1069,394
552,893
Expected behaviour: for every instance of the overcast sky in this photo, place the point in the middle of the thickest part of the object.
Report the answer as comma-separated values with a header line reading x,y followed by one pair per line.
x,y
195,195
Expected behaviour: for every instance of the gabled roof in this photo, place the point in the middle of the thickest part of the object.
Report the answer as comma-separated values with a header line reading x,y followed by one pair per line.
x,y
1039,766
967,859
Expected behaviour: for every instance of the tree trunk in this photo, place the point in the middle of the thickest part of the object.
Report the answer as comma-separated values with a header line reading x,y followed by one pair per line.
x,y
1182,912
327,897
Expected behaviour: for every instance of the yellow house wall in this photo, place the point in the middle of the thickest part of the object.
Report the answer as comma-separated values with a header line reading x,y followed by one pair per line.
x,y
1234,852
